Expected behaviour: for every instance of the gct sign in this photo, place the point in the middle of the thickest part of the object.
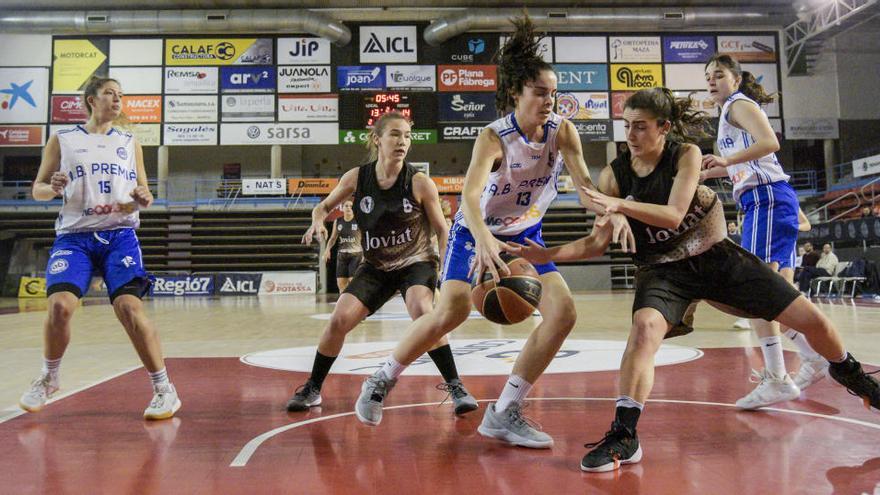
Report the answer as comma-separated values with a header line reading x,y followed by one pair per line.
x,y
388,44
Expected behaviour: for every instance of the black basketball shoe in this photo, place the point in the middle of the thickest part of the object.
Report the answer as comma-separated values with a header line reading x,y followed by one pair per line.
x,y
850,374
619,446
306,396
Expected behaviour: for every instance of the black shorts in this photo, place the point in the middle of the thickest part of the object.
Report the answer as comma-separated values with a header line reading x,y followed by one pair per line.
x,y
346,264
374,287
726,273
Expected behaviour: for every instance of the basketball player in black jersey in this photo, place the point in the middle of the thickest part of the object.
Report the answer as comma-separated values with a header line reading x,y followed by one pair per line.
x,y
396,207
683,255
349,253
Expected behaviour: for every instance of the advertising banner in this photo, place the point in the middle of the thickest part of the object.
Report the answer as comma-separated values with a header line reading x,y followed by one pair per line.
x,y
182,285
247,79
636,76
263,187
545,47
866,166
303,51
811,128
31,287
238,284
311,108
581,49
68,110
75,60
595,130
147,134
24,93
393,44
749,48
283,133
138,80
685,76
219,51
191,80
583,106
459,132
25,50
247,108
360,77
142,109
468,48
466,107
359,136
448,184
22,135
304,79
191,108
190,134
411,77
467,77
688,49
288,283
319,186
618,98
582,77
135,52
635,49
766,76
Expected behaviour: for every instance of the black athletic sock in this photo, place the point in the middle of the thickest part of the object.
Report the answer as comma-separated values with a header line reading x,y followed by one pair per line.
x,y
846,366
320,368
628,417
442,357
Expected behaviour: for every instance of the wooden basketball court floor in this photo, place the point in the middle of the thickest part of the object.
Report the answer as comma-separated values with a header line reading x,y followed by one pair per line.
x,y
236,361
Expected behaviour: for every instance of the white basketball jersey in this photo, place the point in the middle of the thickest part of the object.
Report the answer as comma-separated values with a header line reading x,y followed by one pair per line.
x,y
731,140
102,171
518,194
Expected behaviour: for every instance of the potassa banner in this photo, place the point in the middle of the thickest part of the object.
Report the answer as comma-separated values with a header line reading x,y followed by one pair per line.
x,y
288,283
636,76
219,51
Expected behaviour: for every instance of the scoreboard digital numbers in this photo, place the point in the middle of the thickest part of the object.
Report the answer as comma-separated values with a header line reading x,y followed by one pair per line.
x,y
361,111
378,104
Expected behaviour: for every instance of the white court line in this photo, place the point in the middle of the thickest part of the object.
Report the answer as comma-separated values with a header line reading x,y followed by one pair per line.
x,y
251,447
16,411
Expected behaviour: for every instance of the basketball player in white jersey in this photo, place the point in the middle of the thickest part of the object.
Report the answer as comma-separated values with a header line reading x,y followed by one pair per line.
x,y
747,145
509,185
98,170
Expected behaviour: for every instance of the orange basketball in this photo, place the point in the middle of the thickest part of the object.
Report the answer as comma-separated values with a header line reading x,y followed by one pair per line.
x,y
513,298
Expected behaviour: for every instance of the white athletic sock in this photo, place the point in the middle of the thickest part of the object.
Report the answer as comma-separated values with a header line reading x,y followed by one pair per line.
x,y
515,390
51,367
771,347
392,368
801,343
159,377
627,401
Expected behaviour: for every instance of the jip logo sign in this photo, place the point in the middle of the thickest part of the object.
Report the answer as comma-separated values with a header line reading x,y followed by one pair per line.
x,y
388,44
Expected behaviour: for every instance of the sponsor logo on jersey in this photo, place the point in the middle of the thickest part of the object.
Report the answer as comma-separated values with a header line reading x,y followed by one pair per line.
x,y
366,204
58,266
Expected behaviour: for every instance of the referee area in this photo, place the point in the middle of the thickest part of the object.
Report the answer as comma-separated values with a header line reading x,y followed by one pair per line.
x,y
249,114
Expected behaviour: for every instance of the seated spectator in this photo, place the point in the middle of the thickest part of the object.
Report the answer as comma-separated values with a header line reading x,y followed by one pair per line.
x,y
824,267
733,233
867,212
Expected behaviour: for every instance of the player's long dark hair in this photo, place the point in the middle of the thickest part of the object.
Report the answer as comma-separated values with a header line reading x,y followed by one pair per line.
x,y
519,62
688,123
749,86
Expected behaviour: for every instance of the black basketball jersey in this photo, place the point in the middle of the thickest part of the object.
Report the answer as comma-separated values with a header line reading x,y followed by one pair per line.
x,y
699,227
347,235
394,231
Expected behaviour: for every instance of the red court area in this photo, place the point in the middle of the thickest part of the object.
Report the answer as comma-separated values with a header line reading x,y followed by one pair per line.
x,y
694,441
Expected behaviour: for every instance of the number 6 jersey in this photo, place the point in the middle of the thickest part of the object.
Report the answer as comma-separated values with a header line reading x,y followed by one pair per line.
x,y
102,172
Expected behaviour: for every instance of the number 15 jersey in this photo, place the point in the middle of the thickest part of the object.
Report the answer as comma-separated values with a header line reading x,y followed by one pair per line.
x,y
102,171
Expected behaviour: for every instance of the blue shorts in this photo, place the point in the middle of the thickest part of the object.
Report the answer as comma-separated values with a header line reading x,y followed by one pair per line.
x,y
770,226
460,251
113,254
